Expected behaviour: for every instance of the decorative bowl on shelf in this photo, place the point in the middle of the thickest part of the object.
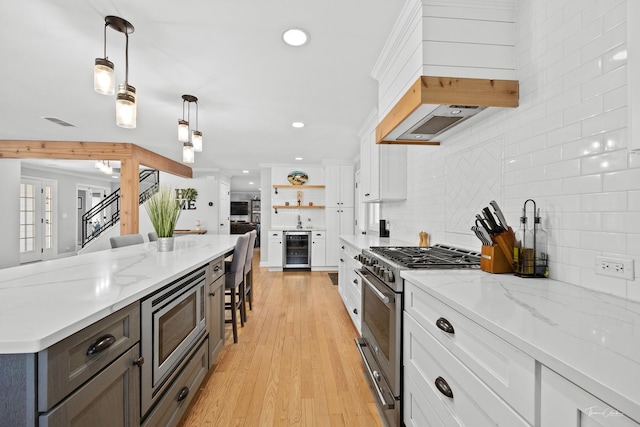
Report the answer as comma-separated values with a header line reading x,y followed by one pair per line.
x,y
297,177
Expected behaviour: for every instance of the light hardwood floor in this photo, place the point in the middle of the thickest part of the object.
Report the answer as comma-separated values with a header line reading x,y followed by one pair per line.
x,y
295,363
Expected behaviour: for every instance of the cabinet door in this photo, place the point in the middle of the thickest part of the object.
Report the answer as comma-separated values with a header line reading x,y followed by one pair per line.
x,y
111,398
347,186
215,311
365,170
275,249
318,250
332,186
565,404
333,230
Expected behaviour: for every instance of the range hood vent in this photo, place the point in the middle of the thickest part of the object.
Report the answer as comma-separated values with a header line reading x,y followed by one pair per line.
x,y
433,105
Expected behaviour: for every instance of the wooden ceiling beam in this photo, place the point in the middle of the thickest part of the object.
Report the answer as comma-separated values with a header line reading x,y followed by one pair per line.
x,y
131,156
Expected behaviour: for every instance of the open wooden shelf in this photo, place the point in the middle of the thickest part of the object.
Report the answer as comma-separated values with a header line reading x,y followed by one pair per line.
x,y
297,207
299,187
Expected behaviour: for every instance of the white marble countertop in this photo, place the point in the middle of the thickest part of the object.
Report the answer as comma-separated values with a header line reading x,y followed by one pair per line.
x,y
294,228
363,241
590,338
45,302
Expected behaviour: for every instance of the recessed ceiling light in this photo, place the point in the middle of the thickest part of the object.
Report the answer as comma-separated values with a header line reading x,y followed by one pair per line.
x,y
297,124
250,182
295,37
245,171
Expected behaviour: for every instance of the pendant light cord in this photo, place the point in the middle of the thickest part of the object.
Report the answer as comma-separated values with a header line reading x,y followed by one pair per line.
x,y
105,40
126,61
197,128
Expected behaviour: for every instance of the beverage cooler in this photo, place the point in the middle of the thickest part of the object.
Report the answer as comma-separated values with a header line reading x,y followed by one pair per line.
x,y
297,250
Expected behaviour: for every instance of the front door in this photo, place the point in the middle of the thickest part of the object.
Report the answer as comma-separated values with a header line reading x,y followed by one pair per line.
x,y
37,230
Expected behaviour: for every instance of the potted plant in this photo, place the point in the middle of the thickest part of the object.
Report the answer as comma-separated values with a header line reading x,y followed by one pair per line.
x,y
163,210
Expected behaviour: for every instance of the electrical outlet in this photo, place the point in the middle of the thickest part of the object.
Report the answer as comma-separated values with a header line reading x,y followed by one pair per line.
x,y
614,267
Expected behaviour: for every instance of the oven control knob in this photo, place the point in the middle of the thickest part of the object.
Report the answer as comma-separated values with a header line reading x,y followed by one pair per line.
x,y
376,269
388,276
382,271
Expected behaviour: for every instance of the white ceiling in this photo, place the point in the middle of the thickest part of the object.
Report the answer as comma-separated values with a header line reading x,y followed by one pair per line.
x,y
228,53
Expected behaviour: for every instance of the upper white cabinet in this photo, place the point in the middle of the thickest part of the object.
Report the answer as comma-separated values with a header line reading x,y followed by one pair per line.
x,y
339,181
633,80
383,170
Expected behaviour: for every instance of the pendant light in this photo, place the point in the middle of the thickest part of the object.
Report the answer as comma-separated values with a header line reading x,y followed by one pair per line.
x,y
196,135
192,141
126,113
188,155
103,80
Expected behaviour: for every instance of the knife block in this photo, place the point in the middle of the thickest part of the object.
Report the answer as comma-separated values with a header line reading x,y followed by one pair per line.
x,y
492,260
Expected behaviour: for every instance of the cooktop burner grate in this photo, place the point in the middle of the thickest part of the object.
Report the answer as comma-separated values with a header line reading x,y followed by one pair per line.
x,y
438,256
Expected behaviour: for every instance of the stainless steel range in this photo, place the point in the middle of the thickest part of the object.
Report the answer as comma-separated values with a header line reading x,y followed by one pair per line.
x,y
381,342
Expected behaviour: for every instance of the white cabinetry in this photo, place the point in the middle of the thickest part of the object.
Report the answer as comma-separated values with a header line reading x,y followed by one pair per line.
x,y
318,249
492,382
349,285
339,186
275,248
383,171
338,221
565,404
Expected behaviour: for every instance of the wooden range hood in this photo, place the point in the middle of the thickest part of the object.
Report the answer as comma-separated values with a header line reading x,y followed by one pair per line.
x,y
439,99
131,156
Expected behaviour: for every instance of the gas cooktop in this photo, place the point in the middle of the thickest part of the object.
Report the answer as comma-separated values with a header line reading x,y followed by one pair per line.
x,y
437,256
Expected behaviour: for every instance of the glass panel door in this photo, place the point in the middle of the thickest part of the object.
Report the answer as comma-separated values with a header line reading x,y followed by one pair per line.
x,y
37,231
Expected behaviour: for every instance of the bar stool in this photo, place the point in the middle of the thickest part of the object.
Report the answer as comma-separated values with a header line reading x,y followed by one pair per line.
x,y
126,240
233,282
153,237
248,274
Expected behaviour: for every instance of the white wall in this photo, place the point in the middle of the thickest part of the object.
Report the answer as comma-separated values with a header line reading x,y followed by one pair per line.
x,y
10,213
289,217
565,146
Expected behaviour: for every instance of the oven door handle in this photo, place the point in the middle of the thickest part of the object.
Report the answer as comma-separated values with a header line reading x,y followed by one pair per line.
x,y
374,375
385,299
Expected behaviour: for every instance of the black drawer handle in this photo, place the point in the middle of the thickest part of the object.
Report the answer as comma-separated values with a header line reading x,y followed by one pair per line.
x,y
355,311
443,387
216,268
445,325
139,361
212,294
101,344
341,260
366,194
355,281
183,394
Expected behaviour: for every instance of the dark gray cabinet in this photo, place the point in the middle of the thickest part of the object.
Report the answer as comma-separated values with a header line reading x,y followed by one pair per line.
x,y
111,398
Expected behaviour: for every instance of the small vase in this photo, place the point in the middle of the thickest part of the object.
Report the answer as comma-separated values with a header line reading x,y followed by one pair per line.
x,y
165,244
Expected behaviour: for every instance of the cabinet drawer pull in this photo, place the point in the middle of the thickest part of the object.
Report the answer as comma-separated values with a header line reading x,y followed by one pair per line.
x,y
216,268
366,194
101,344
183,394
212,294
139,361
445,325
355,281
355,311
341,260
443,387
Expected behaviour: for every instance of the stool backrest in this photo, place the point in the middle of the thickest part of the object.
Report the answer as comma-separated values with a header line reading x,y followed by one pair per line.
x,y
126,240
252,242
235,275
152,236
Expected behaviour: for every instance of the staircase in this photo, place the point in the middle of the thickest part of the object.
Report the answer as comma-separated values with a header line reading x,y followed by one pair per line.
x,y
107,213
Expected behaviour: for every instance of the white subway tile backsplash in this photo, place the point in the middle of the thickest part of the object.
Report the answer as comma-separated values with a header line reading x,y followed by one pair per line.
x,y
621,180
583,147
607,162
611,120
615,140
633,248
615,58
582,184
564,134
633,200
595,9
604,83
548,155
604,202
602,241
563,169
615,16
586,72
621,222
589,108
609,40
582,221
615,99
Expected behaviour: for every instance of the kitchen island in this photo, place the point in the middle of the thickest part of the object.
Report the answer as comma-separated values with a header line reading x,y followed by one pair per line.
x,y
50,311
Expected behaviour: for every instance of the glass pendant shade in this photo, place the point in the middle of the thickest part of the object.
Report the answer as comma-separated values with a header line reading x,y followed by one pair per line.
x,y
126,114
183,131
188,155
196,140
103,80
